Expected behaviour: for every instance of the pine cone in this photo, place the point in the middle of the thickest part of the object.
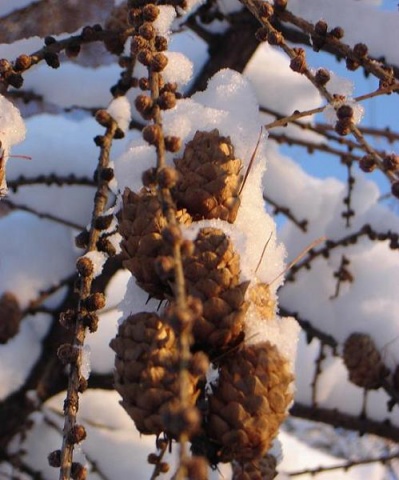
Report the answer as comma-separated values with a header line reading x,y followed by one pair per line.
x,y
10,316
249,403
210,177
363,361
141,222
212,275
146,371
263,468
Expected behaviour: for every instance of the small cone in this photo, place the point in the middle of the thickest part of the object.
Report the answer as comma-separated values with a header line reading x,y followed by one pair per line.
x,y
210,177
212,275
141,222
363,361
249,403
146,371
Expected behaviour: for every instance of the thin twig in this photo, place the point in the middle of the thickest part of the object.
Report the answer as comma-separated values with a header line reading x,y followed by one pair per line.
x,y
75,375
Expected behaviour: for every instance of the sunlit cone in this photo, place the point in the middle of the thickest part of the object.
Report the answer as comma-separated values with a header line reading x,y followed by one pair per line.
x,y
249,402
212,275
146,371
141,222
210,177
263,468
363,361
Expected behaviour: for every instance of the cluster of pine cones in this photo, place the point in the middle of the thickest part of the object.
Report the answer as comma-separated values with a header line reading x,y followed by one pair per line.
x,y
241,411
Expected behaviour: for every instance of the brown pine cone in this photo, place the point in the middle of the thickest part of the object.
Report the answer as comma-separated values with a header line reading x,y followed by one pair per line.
x,y
363,361
141,222
10,316
210,177
212,275
249,403
146,372
263,468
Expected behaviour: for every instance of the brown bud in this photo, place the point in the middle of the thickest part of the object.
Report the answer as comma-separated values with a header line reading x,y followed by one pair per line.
x,y
261,34
164,467
352,64
149,177
147,31
90,321
145,57
82,239
343,126
391,162
344,111
167,100
54,459
99,140
150,12
161,43
135,16
159,62
275,37
266,10
143,103
167,177
360,50
84,266
172,144
138,43
23,62
49,40
298,63
107,174
322,76
152,134
321,28
78,471
52,59
103,222
144,83
95,301
76,434
5,65
14,79
367,163
337,32
119,133
152,459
